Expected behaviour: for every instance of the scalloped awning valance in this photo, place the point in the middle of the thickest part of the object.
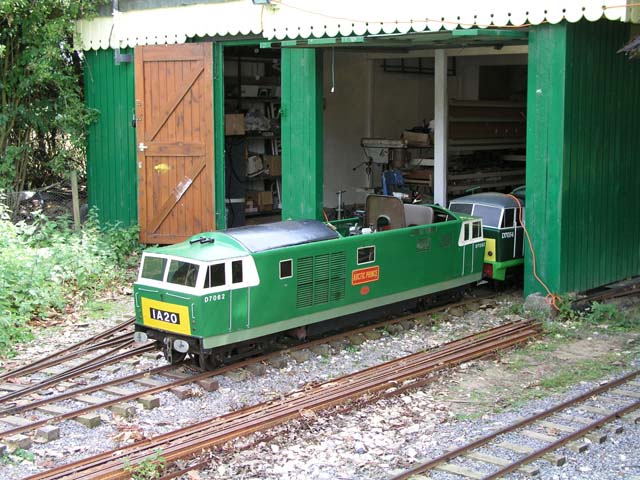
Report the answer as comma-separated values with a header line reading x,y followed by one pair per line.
x,y
300,19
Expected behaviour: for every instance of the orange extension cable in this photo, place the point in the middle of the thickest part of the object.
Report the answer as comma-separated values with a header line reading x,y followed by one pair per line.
x,y
551,297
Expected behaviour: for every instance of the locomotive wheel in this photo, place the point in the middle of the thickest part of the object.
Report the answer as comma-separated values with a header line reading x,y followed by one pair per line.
x,y
177,357
207,362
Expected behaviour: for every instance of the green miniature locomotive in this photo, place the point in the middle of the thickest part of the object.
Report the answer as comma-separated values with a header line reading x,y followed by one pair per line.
x,y
222,292
502,226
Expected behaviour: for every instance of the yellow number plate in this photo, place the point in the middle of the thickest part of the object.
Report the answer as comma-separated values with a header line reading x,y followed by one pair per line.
x,y
166,316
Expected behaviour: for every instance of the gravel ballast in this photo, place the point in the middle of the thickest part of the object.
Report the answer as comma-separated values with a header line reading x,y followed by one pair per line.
x,y
364,442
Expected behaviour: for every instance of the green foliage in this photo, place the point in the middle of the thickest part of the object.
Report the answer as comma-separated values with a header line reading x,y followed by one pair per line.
x,y
18,456
42,113
45,267
599,314
351,348
566,311
150,468
609,316
584,370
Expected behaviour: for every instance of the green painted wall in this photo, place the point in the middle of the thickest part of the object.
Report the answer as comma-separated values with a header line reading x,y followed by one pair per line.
x,y
583,156
218,136
111,143
302,166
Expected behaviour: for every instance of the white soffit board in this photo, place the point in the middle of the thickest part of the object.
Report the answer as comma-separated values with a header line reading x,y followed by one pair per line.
x,y
305,18
169,25
291,19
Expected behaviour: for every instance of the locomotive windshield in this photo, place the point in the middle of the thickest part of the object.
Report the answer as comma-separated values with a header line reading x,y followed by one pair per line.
x,y
153,268
193,274
490,215
183,273
461,207
179,272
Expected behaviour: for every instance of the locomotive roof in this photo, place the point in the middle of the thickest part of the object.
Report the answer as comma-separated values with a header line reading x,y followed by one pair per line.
x,y
490,198
220,245
258,238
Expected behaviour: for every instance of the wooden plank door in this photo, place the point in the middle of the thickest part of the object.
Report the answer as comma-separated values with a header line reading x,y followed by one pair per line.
x,y
174,136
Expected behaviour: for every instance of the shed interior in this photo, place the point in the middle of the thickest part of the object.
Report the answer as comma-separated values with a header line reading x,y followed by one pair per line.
x,y
378,110
379,114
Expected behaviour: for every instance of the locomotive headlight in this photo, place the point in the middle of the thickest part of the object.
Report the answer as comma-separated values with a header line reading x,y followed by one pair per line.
x,y
140,337
181,346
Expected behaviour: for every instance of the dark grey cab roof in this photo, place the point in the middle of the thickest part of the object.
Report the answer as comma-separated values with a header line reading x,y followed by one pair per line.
x,y
501,200
258,238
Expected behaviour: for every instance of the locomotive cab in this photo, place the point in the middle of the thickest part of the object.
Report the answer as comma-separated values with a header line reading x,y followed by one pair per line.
x,y
174,294
501,216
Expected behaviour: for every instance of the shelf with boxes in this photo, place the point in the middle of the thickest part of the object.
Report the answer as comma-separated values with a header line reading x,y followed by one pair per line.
x,y
252,117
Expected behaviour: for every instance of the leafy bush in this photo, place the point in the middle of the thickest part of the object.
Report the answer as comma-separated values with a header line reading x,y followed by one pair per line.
x,y
609,315
46,267
43,118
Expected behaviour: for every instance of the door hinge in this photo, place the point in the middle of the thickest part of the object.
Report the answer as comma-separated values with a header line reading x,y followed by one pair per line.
x,y
142,147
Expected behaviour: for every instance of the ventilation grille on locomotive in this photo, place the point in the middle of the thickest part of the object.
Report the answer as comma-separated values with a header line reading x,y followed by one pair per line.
x,y
321,279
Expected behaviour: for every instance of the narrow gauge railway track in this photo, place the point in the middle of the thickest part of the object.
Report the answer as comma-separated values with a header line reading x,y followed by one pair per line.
x,y
566,428
106,348
153,381
372,381
119,335
114,355
120,339
609,292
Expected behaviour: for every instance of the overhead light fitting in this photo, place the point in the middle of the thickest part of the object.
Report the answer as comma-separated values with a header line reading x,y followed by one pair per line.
x,y
261,2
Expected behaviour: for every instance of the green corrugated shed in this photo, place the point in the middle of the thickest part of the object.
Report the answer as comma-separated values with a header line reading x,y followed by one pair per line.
x,y
111,146
583,156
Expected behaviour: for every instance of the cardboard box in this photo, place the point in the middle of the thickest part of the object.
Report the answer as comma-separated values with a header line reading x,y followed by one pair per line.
x,y
273,163
234,124
419,174
417,138
250,201
265,201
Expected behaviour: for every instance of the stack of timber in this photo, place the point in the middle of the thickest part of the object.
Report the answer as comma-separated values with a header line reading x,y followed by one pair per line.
x,y
486,125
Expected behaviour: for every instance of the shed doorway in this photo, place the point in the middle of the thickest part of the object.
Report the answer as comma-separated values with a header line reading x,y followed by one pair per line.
x,y
253,162
379,111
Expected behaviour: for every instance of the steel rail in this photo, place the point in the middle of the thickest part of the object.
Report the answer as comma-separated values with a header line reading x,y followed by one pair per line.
x,y
520,424
260,417
608,293
150,391
221,370
307,344
88,341
175,383
76,371
564,440
278,413
57,360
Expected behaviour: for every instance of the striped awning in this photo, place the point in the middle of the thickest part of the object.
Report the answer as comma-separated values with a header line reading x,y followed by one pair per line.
x,y
306,19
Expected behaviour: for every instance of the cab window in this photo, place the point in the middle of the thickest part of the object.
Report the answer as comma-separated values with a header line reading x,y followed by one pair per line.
x,y
153,268
183,273
461,208
286,268
215,276
490,215
236,271
471,232
508,218
366,255
476,230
